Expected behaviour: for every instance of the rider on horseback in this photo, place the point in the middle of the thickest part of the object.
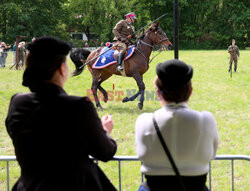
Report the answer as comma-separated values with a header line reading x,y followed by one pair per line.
x,y
123,31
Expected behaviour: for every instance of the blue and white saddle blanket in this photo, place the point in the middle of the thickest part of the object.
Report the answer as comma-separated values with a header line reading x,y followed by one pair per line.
x,y
108,58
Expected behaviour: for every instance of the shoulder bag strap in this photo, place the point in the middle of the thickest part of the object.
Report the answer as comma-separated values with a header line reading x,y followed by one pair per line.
x,y
168,154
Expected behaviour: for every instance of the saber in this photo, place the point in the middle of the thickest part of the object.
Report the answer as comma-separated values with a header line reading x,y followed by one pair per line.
x,y
150,23
97,57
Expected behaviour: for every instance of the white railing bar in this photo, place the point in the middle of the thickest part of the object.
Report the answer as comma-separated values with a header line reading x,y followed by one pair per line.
x,y
135,158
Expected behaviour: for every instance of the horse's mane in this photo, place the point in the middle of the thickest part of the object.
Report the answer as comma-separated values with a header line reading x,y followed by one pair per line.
x,y
138,39
141,37
144,33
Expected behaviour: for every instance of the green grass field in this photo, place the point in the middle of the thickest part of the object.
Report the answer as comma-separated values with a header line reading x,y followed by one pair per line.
x,y
213,90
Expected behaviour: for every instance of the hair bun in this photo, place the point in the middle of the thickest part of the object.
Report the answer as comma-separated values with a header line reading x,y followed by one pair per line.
x,y
46,56
49,46
174,73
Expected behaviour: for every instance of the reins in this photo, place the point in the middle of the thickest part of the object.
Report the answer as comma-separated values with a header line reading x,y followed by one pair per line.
x,y
152,46
155,56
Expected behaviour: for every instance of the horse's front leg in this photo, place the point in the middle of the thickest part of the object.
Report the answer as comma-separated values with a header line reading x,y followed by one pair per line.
x,y
105,94
103,77
139,80
141,87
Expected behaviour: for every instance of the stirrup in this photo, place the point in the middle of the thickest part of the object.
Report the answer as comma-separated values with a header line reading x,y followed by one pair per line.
x,y
119,68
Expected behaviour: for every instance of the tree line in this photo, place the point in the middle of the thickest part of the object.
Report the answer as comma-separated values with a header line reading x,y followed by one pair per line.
x,y
203,24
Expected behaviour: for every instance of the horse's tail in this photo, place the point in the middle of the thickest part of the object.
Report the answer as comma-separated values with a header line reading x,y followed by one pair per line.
x,y
77,57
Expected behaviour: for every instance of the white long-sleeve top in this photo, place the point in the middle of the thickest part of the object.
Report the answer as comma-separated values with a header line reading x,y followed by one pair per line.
x,y
191,137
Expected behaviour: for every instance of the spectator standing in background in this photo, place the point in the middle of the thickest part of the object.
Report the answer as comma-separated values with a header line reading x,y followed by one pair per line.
x,y
1,50
4,53
191,136
21,53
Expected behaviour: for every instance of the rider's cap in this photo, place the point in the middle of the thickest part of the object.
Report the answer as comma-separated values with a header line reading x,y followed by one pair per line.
x,y
132,15
174,73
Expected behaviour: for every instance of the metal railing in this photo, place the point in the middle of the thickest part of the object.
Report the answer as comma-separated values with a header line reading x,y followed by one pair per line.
x,y
7,159
89,48
119,159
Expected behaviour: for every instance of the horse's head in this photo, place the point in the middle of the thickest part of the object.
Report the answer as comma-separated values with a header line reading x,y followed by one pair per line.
x,y
158,36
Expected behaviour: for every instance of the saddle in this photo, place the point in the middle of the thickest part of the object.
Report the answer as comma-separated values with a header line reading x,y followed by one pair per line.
x,y
110,56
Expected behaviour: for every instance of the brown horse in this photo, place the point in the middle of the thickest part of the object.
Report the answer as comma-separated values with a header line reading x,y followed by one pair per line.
x,y
134,67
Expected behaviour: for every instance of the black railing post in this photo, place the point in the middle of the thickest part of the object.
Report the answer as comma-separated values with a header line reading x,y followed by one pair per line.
x,y
176,17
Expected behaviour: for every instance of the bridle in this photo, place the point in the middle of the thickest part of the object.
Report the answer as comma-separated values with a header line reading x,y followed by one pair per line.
x,y
161,39
146,44
152,46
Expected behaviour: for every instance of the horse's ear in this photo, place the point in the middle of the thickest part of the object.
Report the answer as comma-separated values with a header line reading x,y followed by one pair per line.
x,y
156,26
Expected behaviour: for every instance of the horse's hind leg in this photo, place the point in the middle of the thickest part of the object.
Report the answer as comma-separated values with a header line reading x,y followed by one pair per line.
x,y
103,77
139,80
94,90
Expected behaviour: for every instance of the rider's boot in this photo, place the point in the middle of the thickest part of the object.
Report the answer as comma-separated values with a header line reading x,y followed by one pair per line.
x,y
119,62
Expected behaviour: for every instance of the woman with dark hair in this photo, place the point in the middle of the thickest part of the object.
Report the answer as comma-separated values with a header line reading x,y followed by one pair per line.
x,y
191,136
54,133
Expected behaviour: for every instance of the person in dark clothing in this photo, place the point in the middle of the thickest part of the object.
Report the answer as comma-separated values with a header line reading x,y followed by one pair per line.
x,y
54,133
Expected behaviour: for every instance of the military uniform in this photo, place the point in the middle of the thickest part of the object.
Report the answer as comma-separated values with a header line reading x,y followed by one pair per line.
x,y
1,50
122,30
22,55
235,54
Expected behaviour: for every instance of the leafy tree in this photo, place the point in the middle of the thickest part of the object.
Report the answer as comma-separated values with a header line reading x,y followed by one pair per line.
x,y
202,23
31,18
234,22
97,16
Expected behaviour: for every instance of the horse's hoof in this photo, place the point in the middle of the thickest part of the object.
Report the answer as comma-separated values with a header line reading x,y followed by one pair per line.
x,y
125,99
99,108
105,100
140,106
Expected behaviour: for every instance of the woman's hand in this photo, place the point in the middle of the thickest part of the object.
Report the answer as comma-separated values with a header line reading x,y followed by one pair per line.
x,y
107,123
